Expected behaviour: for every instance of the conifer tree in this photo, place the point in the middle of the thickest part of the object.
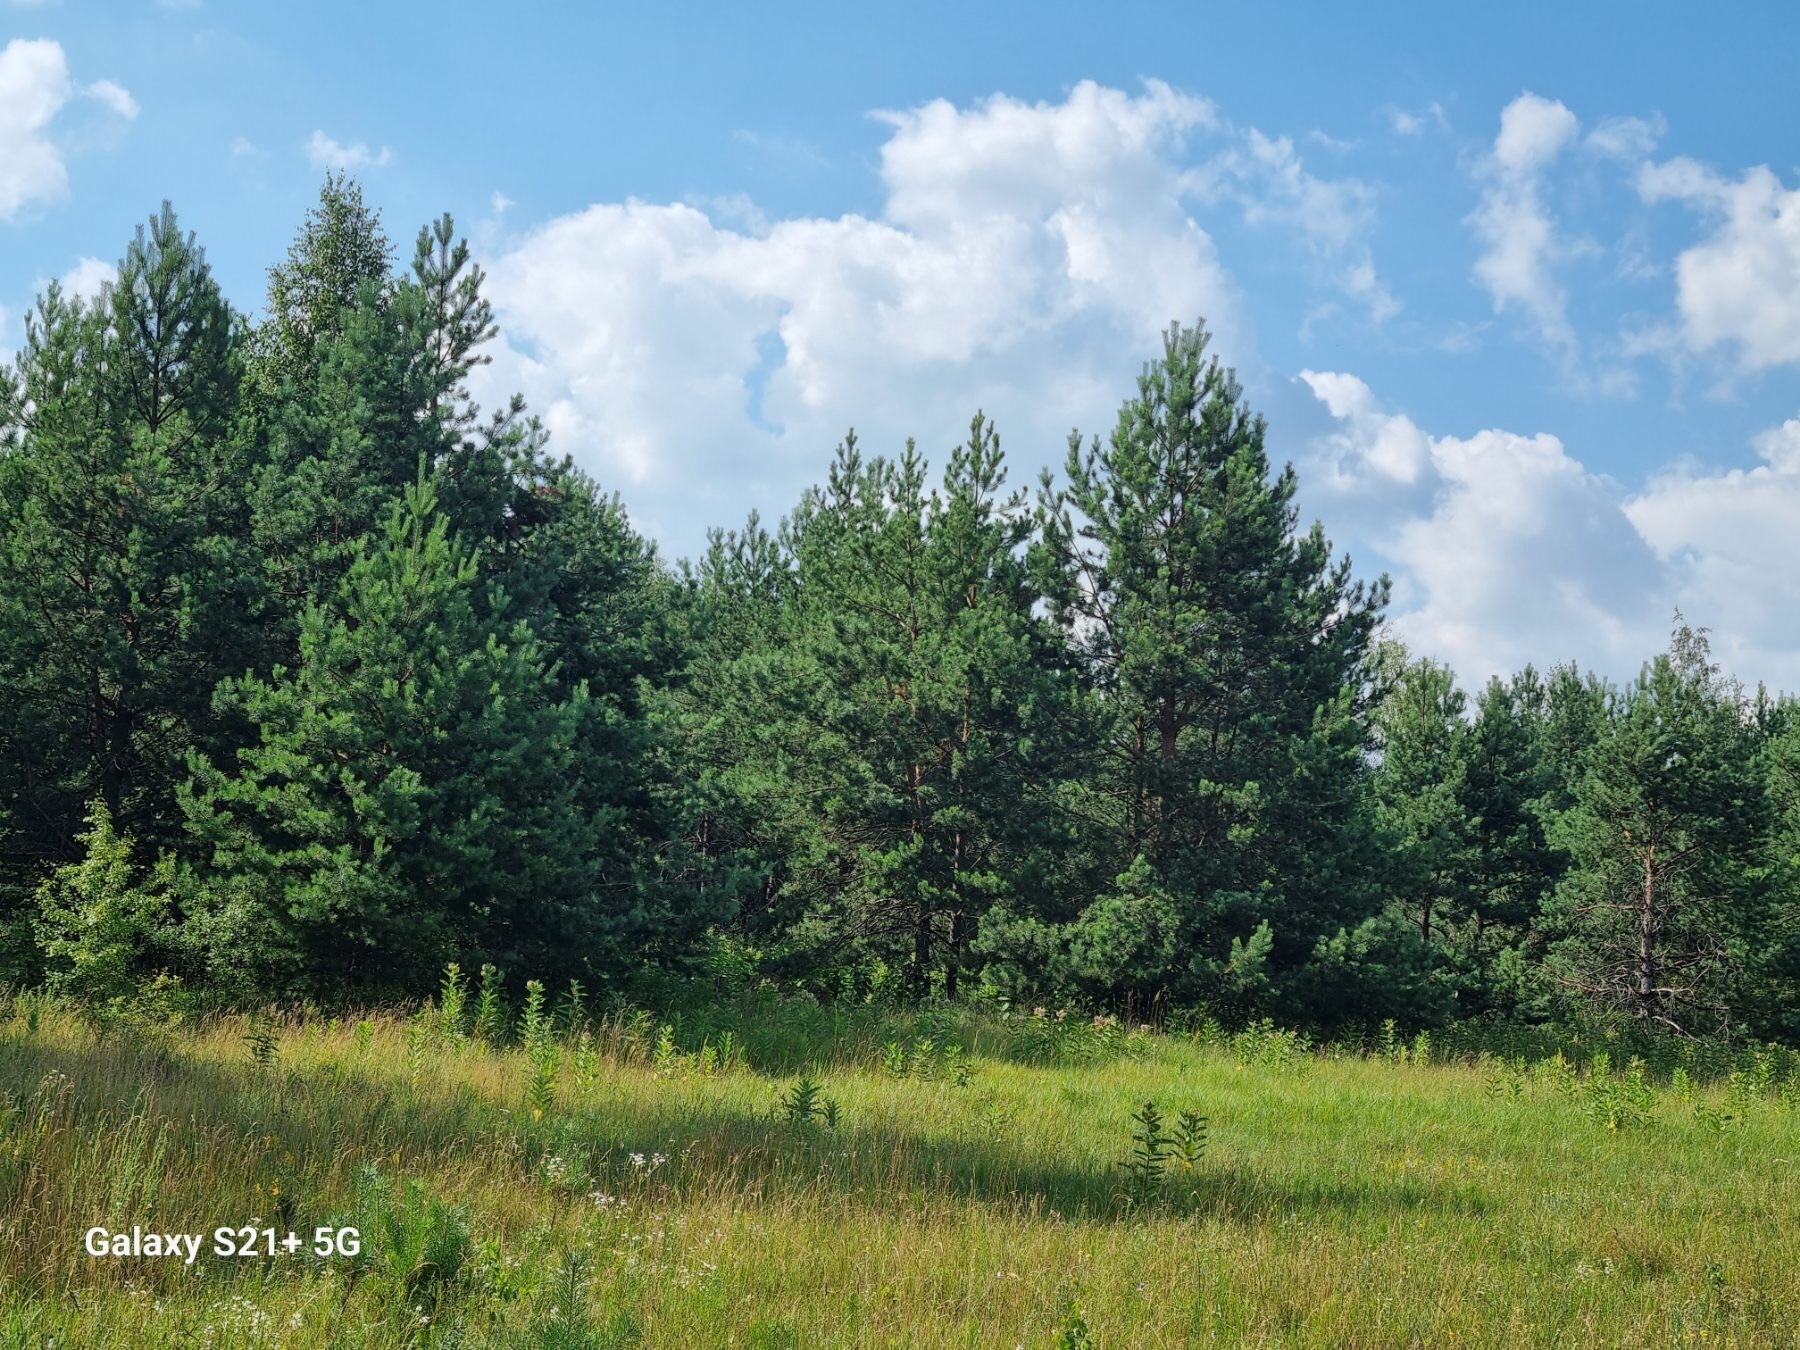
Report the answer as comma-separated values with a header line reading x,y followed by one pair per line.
x,y
410,794
1515,869
1230,651
1664,832
1421,791
125,590
898,682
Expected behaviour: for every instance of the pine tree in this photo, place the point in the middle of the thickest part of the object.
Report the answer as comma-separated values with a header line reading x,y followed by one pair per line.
x,y
882,744
335,416
1230,651
1770,991
411,794
1516,869
1421,790
124,585
1664,833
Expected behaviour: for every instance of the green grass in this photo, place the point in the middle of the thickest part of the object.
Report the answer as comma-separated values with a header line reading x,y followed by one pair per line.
x,y
971,1192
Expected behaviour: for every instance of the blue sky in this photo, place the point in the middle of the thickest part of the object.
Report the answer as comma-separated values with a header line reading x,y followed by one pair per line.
x,y
1519,289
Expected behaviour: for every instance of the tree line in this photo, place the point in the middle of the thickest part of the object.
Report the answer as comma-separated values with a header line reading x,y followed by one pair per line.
x,y
313,678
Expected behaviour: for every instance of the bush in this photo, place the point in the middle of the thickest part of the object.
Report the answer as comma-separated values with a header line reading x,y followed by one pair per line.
x,y
96,927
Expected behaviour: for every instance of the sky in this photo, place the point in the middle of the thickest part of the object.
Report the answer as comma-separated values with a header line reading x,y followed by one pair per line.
x,y
1518,289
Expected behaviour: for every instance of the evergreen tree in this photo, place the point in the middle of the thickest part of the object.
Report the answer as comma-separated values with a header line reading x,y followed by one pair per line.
x,y
1664,833
125,590
99,927
336,419
410,794
1231,653
1770,994
1516,869
887,737
1421,791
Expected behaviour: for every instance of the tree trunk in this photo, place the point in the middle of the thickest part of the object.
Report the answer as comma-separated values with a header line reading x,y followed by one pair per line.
x,y
1646,938
921,958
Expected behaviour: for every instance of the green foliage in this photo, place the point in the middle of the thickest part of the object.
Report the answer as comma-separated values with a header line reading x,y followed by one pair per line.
x,y
1232,653
417,1244
316,678
1617,1102
1151,1148
1189,1144
98,928
1074,1333
806,1104
453,1001
1663,831
265,1048
490,1006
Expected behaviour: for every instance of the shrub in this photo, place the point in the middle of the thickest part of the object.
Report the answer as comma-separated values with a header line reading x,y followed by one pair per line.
x,y
96,926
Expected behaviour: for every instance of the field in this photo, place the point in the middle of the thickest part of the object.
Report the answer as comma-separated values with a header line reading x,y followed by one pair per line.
x,y
954,1180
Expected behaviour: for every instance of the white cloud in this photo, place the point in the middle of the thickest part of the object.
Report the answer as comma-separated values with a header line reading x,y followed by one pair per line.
x,y
1628,138
325,154
1334,217
1023,248
1533,131
115,96
1371,448
1741,286
1516,229
1731,541
1504,548
1780,446
500,203
88,277
1404,123
34,87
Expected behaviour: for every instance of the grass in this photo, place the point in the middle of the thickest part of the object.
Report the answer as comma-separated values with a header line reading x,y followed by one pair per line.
x,y
954,1180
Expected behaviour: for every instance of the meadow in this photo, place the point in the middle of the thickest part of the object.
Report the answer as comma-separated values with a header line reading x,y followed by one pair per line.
x,y
769,1174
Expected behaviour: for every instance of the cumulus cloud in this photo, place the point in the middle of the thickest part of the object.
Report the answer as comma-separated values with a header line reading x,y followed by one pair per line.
x,y
89,277
35,85
1505,549
1740,287
1025,253
705,357
1730,540
326,154
1516,229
